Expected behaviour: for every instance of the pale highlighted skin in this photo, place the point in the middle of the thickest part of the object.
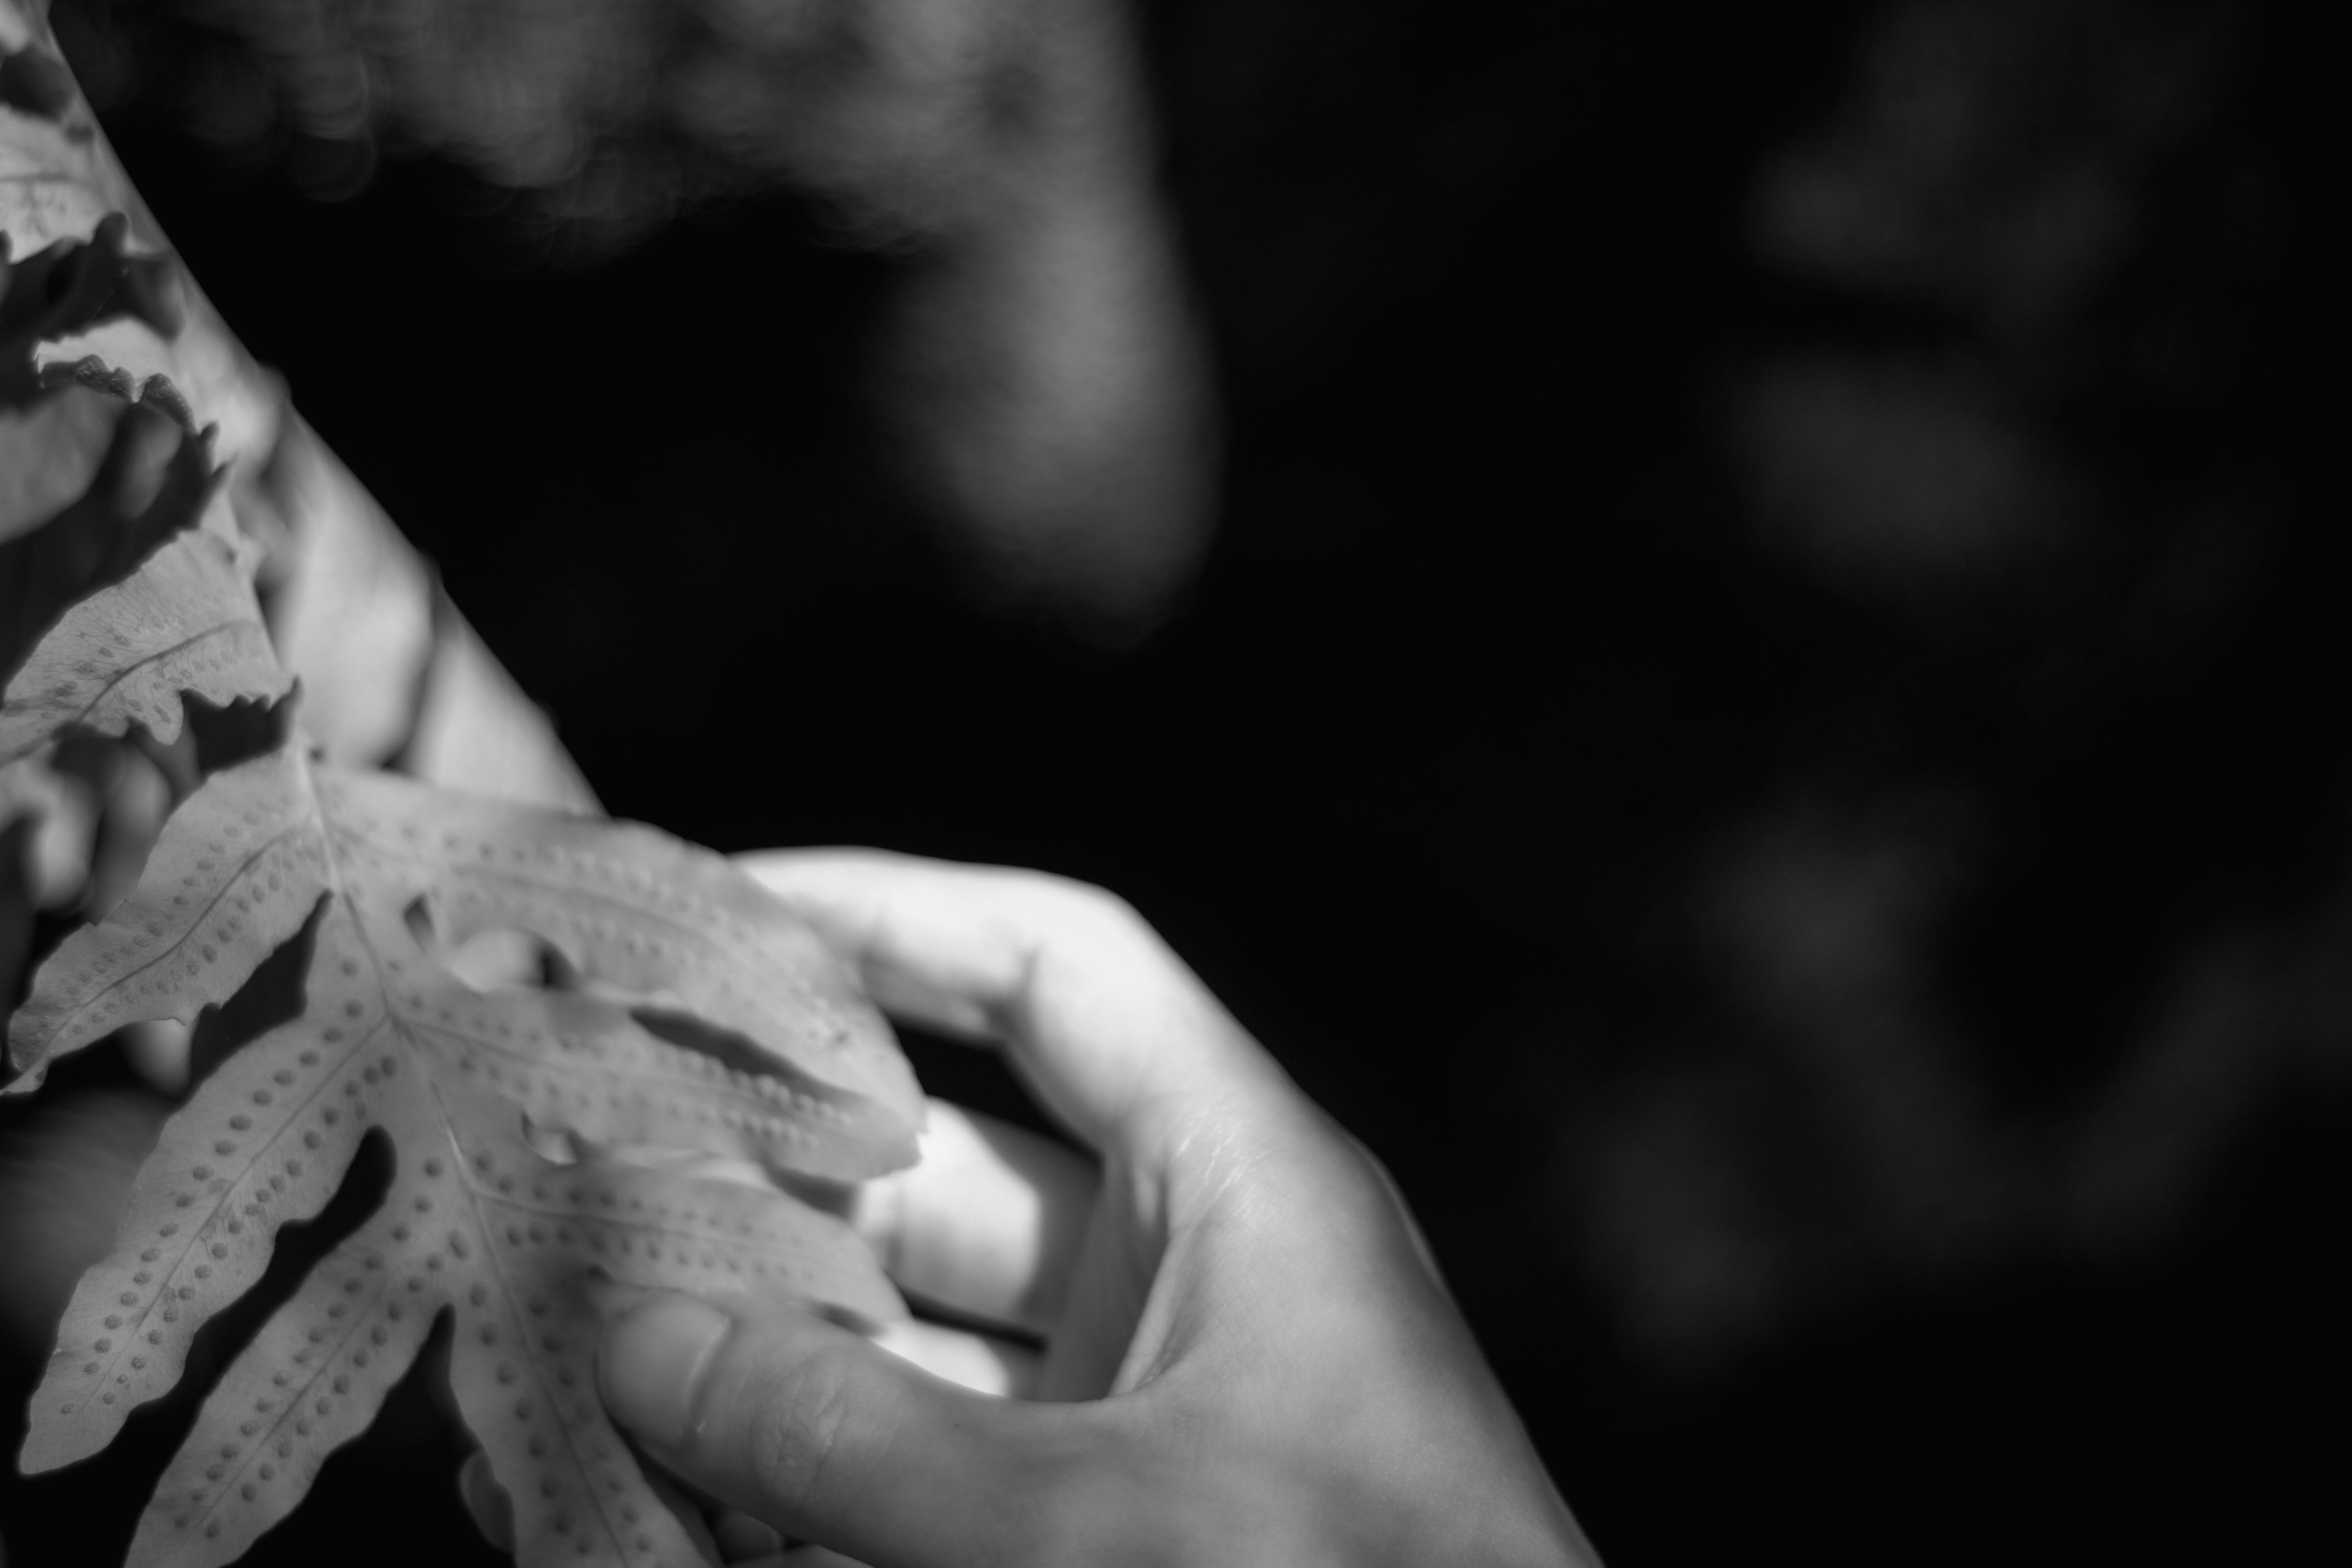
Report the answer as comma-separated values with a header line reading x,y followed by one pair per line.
x,y
1249,1356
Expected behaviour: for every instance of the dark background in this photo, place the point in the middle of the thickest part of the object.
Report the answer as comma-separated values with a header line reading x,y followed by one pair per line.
x,y
1650,863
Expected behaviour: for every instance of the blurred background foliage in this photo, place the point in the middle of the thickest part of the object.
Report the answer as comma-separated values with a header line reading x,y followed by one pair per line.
x,y
1716,622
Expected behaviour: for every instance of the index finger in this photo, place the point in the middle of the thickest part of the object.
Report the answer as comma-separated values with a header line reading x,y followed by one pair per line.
x,y
1112,1030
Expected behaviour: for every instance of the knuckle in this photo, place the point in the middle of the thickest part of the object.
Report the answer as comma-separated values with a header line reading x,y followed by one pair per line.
x,y
1054,893
1071,909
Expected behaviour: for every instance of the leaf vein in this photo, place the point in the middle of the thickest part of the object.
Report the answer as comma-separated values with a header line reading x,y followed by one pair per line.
x,y
492,1261
199,1229
227,887
294,1401
160,655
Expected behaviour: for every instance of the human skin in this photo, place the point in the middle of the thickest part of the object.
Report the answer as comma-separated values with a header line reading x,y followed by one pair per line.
x,y
1250,1358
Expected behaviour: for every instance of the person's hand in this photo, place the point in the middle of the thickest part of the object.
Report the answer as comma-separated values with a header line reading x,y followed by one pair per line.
x,y
1249,1357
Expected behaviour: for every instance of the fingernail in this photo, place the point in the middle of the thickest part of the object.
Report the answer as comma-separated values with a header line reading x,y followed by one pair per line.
x,y
487,1501
652,1362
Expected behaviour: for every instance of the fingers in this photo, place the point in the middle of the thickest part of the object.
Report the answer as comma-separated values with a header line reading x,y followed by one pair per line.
x,y
981,1362
825,1436
157,1049
1120,1039
987,1221
487,1501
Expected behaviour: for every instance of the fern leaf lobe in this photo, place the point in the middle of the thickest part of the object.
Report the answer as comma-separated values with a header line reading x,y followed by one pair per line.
x,y
477,1224
185,621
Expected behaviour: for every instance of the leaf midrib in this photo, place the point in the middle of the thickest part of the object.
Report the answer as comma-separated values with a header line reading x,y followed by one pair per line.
x,y
512,1299
423,1068
293,1405
163,1295
160,655
194,922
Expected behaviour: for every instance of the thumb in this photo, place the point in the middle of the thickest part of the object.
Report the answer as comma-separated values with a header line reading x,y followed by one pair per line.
x,y
828,1438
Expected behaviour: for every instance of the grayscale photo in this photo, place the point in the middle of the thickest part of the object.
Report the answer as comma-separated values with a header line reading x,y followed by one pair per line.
x,y
1193,784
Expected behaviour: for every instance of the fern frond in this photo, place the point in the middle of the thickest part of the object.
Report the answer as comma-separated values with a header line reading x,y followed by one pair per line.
x,y
185,622
706,1018
478,1223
